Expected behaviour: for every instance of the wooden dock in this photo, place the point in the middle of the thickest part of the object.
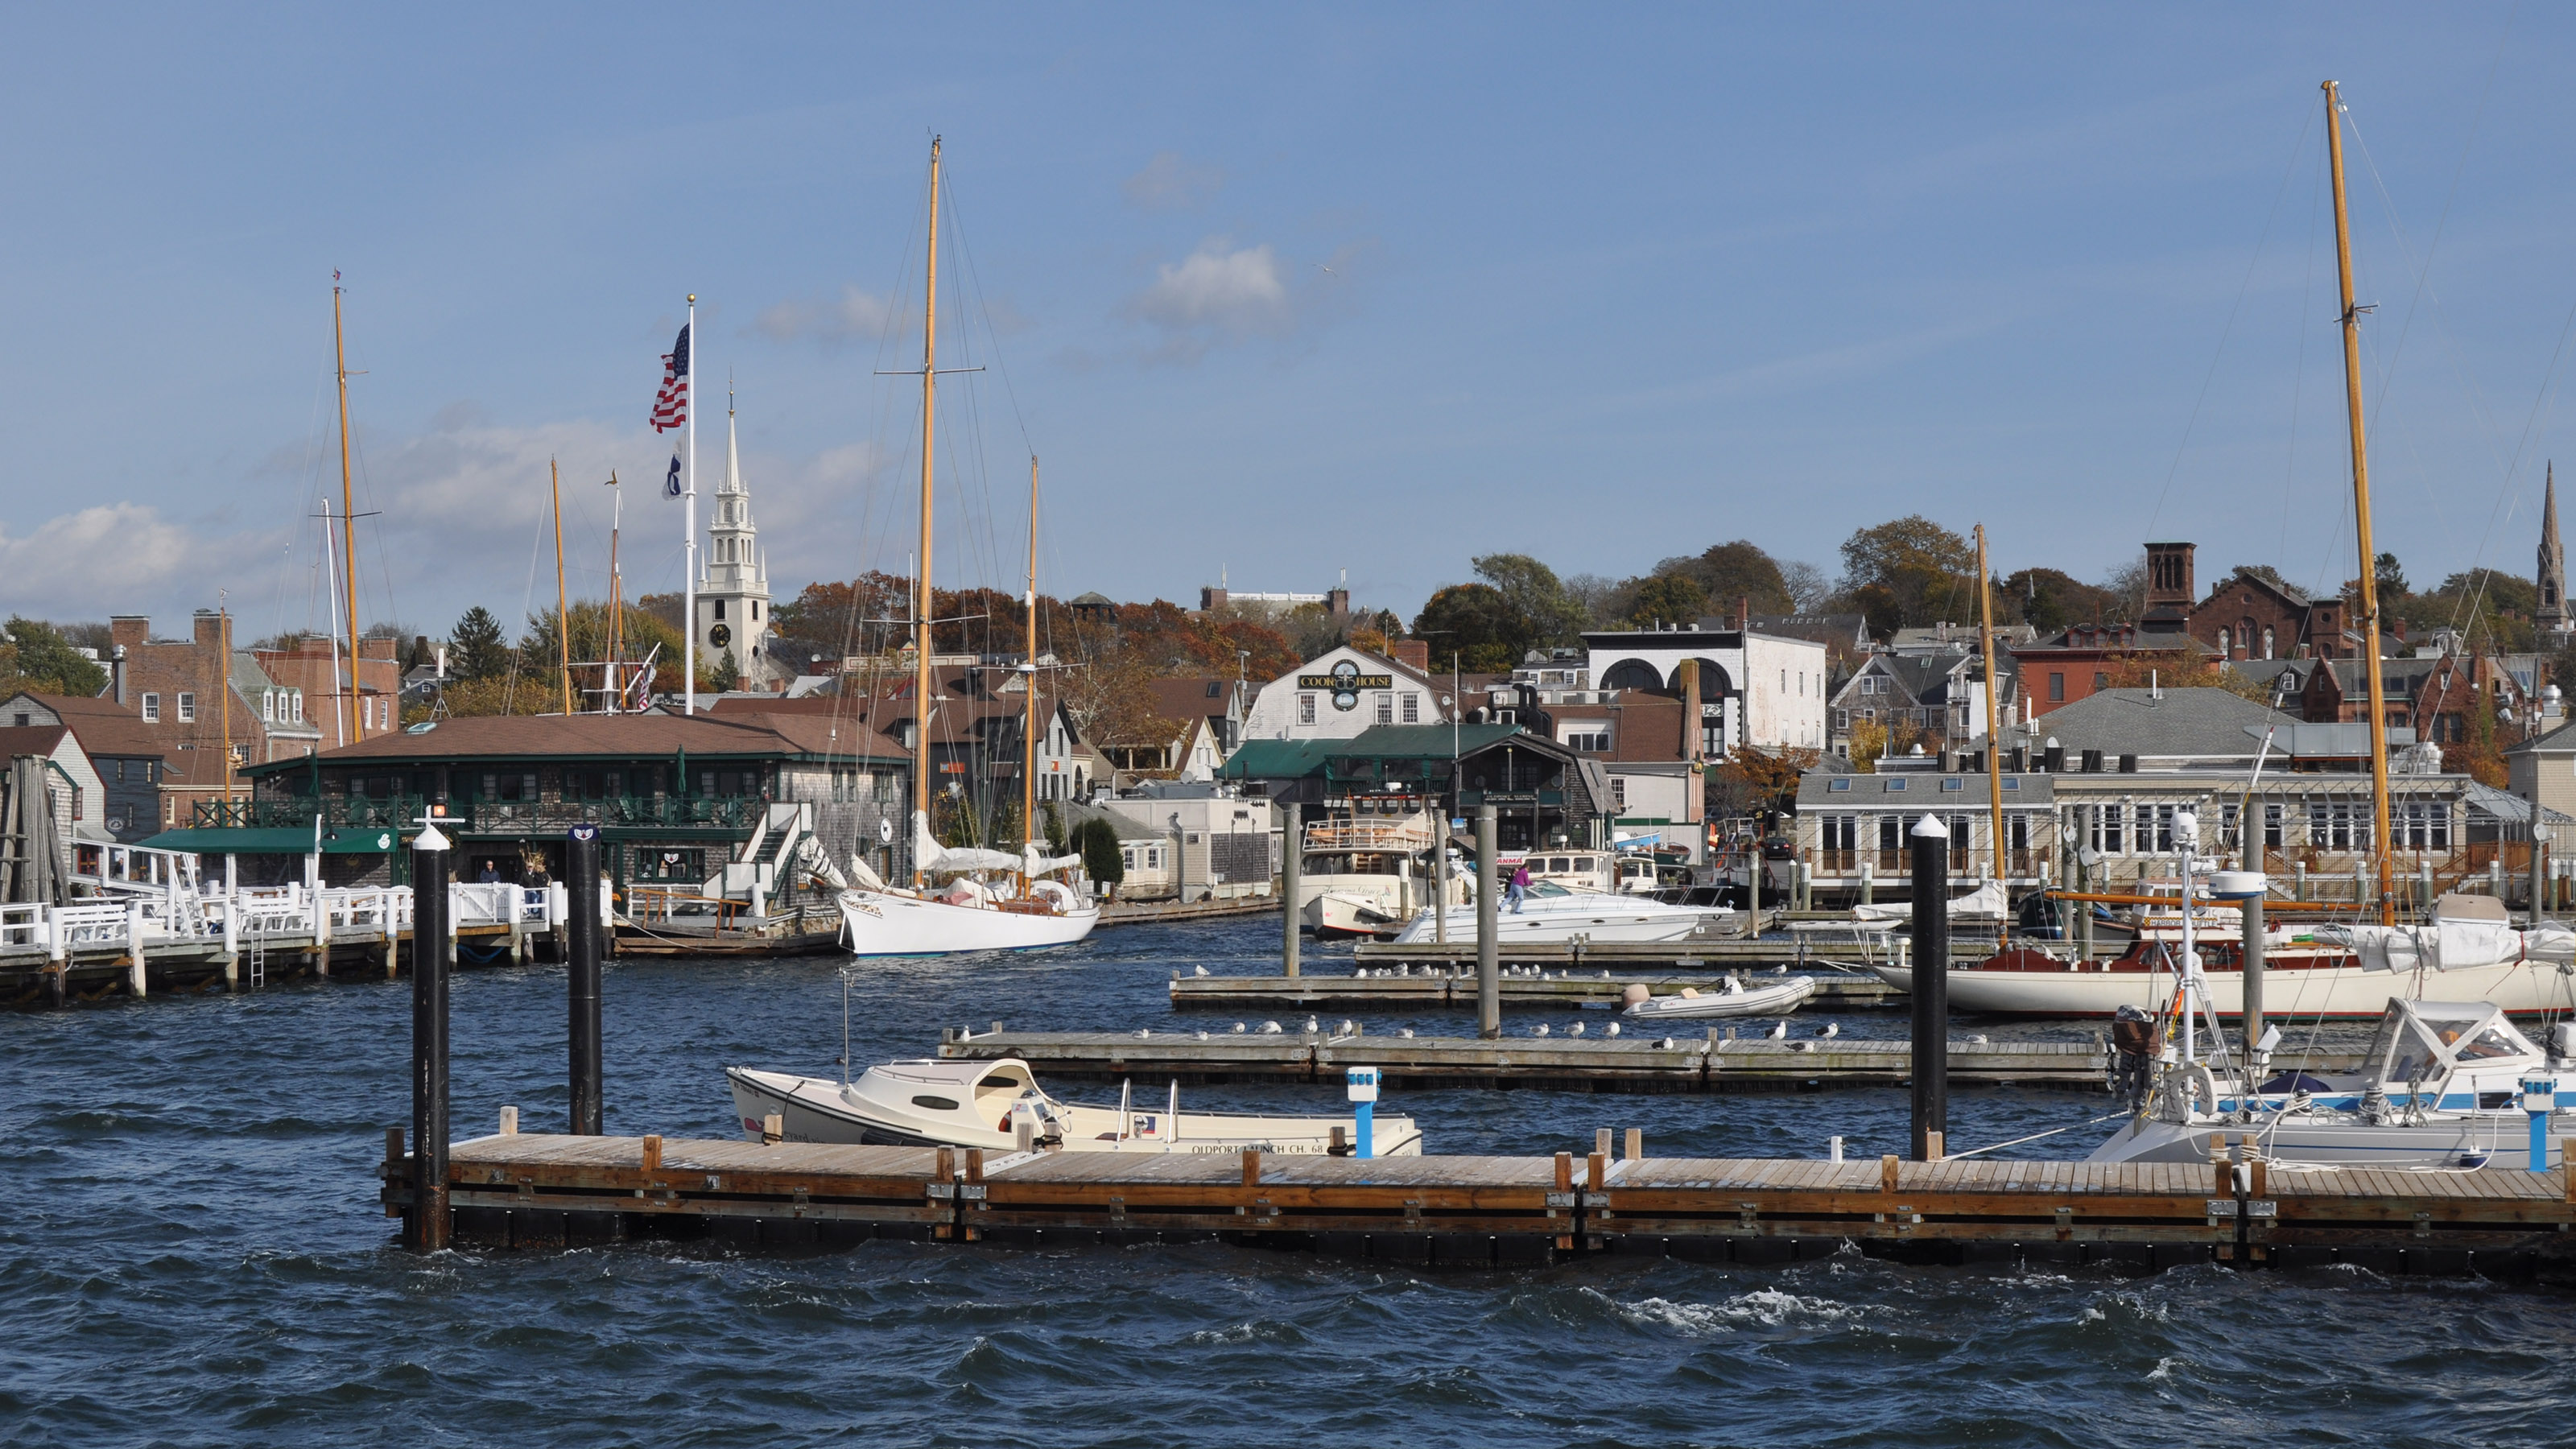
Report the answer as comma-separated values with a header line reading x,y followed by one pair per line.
x,y
1213,908
1801,951
1543,988
1709,1062
531,1191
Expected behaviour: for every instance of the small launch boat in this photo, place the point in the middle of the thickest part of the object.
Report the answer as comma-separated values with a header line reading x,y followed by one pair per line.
x,y
1772,998
988,1104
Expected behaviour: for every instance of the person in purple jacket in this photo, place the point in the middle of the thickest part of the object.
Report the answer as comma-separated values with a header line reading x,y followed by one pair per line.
x,y
1520,886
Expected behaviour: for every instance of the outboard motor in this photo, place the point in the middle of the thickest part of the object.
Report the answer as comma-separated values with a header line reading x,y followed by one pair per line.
x,y
2133,1055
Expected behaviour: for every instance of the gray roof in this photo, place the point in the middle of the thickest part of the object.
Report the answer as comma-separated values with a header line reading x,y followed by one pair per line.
x,y
1919,790
2554,742
2166,724
2507,807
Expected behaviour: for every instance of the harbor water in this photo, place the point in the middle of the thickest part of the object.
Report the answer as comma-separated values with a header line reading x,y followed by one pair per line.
x,y
191,1253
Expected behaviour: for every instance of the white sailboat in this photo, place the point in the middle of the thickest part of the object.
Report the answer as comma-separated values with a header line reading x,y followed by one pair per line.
x,y
992,900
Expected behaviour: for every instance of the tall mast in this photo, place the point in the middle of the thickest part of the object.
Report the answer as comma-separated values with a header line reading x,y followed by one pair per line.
x,y
921,630
339,698
2361,521
1994,725
616,600
348,514
563,609
1029,732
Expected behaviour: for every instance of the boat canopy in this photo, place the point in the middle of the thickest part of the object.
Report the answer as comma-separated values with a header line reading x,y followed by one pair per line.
x,y
2420,1043
2451,943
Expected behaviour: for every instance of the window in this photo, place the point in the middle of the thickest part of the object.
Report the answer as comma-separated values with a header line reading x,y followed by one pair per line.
x,y
120,772
268,706
755,611
187,707
1841,832
298,698
1305,709
1412,706
2105,829
2423,825
719,609
1891,833
1951,783
1619,793
2057,686
1838,784
2012,783
2164,819
2343,825
2101,680
2271,827
1385,707
1895,785
151,709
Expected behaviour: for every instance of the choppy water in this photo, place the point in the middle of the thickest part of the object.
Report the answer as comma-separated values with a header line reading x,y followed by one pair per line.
x,y
190,1253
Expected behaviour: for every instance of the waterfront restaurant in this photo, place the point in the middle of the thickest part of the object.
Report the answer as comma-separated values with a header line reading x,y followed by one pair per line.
x,y
1543,793
684,803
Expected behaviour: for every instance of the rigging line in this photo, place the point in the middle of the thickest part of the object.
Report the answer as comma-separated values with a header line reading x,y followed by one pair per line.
x,y
1000,364
2299,362
2184,446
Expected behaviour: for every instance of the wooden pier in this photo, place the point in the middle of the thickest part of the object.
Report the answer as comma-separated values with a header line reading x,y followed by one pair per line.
x,y
1801,951
1707,1062
531,1191
1542,988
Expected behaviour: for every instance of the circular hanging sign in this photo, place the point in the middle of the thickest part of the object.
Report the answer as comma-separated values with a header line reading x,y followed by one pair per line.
x,y
1346,685
885,831
720,635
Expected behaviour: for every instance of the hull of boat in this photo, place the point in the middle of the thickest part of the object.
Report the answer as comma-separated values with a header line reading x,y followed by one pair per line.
x,y
2493,1141
1602,919
819,1109
1775,999
2296,993
1338,914
890,925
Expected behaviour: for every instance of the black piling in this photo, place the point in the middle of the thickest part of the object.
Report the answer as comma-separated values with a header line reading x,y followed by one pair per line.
x,y
431,960
583,937
1931,1063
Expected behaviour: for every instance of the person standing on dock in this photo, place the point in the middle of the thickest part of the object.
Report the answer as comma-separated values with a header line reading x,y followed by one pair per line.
x,y
1520,886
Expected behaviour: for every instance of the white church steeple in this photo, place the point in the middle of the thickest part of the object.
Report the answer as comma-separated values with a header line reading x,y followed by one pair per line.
x,y
733,585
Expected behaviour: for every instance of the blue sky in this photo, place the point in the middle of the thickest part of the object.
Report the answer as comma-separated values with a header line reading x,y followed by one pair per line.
x,y
1278,291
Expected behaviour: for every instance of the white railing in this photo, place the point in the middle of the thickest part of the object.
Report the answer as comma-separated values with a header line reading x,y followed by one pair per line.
x,y
278,915
132,869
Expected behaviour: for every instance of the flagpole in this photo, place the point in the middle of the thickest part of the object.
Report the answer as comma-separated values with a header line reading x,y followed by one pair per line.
x,y
689,607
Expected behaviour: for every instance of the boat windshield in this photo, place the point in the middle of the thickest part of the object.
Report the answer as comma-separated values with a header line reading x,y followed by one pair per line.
x,y
1547,888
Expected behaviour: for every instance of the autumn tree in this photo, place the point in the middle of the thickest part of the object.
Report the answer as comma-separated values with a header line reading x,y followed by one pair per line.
x,y
34,655
1910,572
1474,622
1666,600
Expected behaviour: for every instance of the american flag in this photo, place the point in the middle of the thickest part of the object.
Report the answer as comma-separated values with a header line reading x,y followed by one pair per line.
x,y
671,406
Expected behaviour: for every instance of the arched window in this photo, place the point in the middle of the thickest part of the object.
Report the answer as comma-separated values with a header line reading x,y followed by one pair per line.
x,y
1632,674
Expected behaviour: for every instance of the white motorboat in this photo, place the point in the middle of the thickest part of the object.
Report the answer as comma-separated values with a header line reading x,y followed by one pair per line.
x,y
2440,1087
1552,915
1770,998
990,1104
1366,876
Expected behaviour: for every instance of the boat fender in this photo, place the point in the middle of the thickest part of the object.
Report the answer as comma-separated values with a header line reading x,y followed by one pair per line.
x,y
1690,993
2190,1090
1634,993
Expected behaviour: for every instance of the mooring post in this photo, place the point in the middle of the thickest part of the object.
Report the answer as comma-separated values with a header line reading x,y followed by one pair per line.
x,y
2251,903
1292,864
1489,986
134,977
430,962
1931,1063
1440,874
581,872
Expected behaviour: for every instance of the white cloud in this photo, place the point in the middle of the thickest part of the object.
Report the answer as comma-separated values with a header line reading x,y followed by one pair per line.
x,y
855,315
107,559
1218,293
1173,182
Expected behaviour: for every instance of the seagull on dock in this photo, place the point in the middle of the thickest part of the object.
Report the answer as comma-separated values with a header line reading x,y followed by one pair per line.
x,y
1313,1025
1611,1030
1203,1036
1541,1030
1350,1027
1978,1040
1575,1030
1203,971
1777,1032
1832,1028
1407,1033
1238,1028
1270,1028
1143,1032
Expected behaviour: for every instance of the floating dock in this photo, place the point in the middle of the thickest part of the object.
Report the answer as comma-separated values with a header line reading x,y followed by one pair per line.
x,y
1543,988
1698,1062
1796,951
532,1191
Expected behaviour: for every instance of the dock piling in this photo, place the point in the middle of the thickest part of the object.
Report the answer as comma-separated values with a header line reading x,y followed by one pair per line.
x,y
509,1121
1489,989
431,959
1930,884
581,870
773,1130
1636,1143
1292,867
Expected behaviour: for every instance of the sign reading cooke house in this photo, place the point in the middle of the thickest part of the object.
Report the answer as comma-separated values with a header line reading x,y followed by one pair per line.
x,y
1346,682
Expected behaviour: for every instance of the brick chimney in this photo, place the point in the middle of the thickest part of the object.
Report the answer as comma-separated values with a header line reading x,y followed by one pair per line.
x,y
1414,654
210,629
129,630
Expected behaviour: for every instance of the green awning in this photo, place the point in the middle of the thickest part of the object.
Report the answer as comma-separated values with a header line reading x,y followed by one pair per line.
x,y
212,840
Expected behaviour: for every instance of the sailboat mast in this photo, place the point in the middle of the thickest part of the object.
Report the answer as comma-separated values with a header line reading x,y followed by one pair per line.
x,y
1029,731
2379,840
921,628
563,609
348,514
616,600
1994,727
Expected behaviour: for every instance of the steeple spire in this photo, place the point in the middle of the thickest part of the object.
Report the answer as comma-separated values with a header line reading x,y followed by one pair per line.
x,y
2552,614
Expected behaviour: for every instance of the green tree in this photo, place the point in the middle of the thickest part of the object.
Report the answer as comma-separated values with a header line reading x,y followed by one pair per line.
x,y
1668,599
476,648
1475,622
1910,572
1544,614
34,655
2050,600
1741,570
1097,839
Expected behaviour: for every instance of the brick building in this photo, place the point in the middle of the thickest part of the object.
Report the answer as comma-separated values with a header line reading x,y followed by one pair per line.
x,y
315,667
178,689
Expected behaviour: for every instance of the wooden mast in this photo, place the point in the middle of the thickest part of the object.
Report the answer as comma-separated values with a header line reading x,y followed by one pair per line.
x,y
348,516
2379,840
1029,731
1994,730
224,698
921,623
616,600
563,611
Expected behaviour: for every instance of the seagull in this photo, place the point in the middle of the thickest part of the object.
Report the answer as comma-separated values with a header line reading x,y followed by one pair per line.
x,y
1203,1036
1541,1030
1203,971
1575,1030
1270,1028
1143,1032
1779,970
1238,1028
1832,1028
1313,1025
1778,1032
1407,1033
1349,1027
1611,1030
1666,1044
1978,1040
